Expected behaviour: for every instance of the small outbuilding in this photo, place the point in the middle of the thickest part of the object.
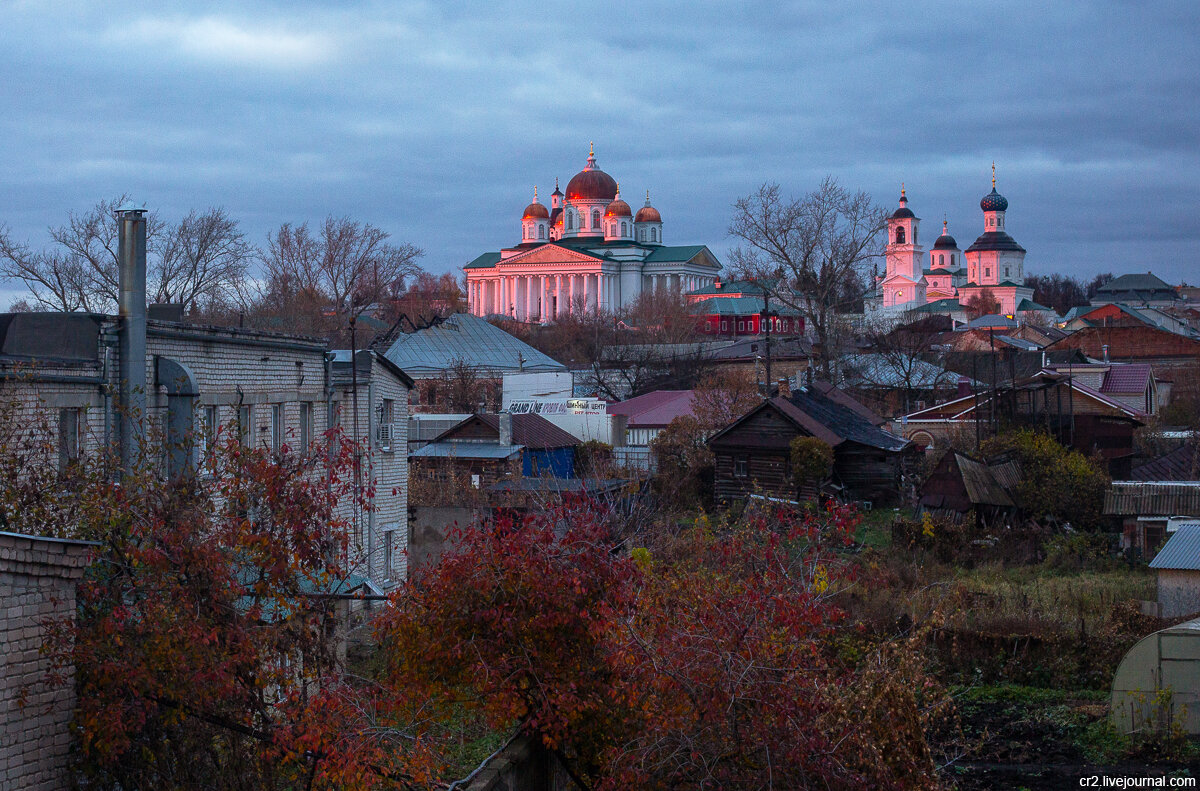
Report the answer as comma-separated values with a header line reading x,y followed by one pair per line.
x,y
1157,684
1178,567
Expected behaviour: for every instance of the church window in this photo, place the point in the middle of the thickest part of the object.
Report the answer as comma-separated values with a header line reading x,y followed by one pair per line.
x,y
570,220
952,259
624,229
1006,270
541,232
654,234
596,220
987,271
641,234
900,235
724,326
941,260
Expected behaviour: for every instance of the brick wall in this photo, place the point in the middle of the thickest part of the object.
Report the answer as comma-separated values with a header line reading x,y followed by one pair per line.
x,y
37,582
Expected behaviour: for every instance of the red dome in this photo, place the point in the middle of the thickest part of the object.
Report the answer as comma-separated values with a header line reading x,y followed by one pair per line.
x,y
618,208
536,211
648,214
591,184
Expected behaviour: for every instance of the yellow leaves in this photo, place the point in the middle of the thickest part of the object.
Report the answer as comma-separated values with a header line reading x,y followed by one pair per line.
x,y
641,557
927,526
821,579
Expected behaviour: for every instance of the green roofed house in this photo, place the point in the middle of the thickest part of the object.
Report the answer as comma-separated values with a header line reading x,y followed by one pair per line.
x,y
589,251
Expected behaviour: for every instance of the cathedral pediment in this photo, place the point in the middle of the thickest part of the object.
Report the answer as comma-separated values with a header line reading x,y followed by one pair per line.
x,y
550,254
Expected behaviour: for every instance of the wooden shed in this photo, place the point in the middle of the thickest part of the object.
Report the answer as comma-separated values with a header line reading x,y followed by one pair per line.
x,y
960,485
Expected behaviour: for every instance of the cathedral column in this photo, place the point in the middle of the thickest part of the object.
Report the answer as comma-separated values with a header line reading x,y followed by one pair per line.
x,y
559,293
530,297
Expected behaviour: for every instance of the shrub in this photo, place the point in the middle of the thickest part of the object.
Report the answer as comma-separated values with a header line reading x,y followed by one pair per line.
x,y
812,461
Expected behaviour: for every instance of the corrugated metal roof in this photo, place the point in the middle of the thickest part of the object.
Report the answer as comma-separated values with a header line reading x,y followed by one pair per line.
x,y
656,409
464,338
1181,552
992,321
880,370
466,449
1153,498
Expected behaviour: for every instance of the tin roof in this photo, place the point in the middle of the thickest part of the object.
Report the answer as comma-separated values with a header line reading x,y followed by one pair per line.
x,y
466,449
464,338
1181,552
1153,498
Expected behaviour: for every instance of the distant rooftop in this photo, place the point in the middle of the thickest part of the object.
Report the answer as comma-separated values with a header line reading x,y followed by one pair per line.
x,y
467,339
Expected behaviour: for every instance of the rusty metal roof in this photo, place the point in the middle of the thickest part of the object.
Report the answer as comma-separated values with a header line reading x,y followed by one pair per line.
x,y
1153,498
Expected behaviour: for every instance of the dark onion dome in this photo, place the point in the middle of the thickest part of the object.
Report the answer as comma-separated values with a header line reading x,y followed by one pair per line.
x,y
994,201
648,214
536,211
618,208
556,216
945,241
903,213
995,240
592,183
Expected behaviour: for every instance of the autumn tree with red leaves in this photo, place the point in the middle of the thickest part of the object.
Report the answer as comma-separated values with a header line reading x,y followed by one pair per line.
x,y
705,660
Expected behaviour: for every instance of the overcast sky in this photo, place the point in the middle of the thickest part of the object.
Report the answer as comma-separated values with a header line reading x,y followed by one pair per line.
x,y
434,120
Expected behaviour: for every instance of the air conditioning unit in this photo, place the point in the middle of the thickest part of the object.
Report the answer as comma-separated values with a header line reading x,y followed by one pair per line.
x,y
384,434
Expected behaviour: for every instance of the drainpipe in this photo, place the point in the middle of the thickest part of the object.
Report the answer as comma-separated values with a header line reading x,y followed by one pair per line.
x,y
373,451
132,332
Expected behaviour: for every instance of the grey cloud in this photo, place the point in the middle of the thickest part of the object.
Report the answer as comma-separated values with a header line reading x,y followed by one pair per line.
x,y
435,120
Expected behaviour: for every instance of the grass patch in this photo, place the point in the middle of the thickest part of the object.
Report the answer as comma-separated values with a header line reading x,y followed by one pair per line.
x,y
1034,696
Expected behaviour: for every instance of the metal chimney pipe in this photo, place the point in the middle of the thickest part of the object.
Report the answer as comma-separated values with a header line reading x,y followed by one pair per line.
x,y
506,428
131,330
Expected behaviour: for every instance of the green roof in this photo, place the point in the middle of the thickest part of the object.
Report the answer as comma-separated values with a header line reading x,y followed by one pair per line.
x,y
484,261
595,246
737,306
1029,304
681,253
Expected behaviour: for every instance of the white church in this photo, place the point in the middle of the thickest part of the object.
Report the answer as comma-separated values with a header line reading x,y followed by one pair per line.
x,y
587,252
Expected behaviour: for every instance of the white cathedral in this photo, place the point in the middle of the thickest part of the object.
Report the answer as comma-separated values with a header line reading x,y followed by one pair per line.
x,y
948,276
587,252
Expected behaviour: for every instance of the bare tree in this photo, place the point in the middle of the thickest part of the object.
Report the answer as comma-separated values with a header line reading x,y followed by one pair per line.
x,y
201,262
348,265
807,250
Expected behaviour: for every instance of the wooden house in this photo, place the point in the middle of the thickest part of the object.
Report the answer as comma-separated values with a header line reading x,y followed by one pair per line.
x,y
753,455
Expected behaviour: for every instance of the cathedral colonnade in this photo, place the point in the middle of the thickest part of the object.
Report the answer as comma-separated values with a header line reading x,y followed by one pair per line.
x,y
546,297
